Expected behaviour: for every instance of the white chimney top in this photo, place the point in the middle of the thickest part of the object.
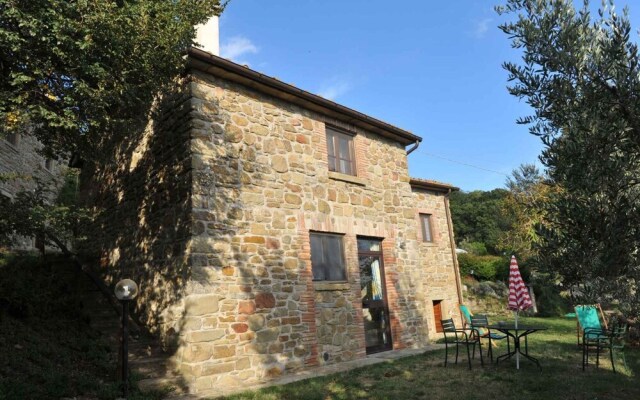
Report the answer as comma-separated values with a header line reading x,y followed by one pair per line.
x,y
208,36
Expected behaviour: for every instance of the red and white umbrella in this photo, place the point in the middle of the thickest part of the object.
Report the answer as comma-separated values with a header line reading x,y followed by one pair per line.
x,y
518,294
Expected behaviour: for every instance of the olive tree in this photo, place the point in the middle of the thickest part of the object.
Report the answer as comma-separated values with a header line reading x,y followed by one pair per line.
x,y
580,74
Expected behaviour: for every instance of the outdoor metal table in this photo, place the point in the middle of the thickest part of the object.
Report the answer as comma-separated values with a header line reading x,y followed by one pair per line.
x,y
522,331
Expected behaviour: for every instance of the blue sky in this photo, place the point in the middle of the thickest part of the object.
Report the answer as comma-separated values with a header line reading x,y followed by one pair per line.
x,y
433,68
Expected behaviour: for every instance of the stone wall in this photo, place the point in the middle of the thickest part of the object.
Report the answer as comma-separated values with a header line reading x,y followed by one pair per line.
x,y
261,184
437,276
210,211
141,202
22,164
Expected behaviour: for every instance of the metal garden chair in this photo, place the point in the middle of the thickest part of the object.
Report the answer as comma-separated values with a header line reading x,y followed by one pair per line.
x,y
596,337
460,337
480,323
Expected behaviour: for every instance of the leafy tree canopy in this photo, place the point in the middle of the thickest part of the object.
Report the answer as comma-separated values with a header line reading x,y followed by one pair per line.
x,y
524,208
477,218
580,74
80,76
82,73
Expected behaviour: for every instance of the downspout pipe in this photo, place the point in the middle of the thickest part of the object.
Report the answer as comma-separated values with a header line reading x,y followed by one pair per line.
x,y
453,247
415,146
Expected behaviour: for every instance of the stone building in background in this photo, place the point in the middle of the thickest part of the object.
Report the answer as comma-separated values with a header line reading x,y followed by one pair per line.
x,y
20,166
271,230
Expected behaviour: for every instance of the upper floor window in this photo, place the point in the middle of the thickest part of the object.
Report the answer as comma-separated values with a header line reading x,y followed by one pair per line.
x,y
327,257
340,151
427,231
13,138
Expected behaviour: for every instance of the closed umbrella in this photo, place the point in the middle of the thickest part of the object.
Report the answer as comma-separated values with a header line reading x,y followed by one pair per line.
x,y
518,295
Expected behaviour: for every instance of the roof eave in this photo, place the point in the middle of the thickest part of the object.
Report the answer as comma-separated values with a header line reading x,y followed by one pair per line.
x,y
432,186
217,66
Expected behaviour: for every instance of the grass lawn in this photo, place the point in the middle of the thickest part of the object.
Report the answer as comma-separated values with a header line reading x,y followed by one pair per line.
x,y
424,376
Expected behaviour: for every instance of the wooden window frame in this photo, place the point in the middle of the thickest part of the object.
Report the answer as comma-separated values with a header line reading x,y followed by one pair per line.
x,y
324,274
423,228
13,139
333,136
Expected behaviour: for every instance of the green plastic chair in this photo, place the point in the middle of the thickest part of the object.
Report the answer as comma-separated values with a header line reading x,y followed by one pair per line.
x,y
589,317
466,315
594,335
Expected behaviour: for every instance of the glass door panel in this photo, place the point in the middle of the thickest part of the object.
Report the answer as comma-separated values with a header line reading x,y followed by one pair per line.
x,y
374,299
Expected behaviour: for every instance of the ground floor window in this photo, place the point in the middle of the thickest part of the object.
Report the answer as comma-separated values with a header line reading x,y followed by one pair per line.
x,y
327,257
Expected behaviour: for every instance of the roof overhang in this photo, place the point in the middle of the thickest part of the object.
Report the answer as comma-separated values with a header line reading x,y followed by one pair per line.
x,y
434,186
202,61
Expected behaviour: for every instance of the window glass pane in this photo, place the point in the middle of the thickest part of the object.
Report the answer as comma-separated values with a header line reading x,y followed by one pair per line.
x,y
370,278
317,258
426,227
332,163
13,138
327,257
376,282
345,153
330,144
368,245
334,256
366,277
345,167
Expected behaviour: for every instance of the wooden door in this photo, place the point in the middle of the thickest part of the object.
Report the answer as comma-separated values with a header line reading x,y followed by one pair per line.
x,y
437,314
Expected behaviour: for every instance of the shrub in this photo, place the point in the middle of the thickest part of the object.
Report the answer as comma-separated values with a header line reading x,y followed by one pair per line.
x,y
482,267
549,299
476,248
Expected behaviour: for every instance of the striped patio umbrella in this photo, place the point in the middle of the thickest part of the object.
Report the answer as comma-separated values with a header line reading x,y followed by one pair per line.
x,y
518,295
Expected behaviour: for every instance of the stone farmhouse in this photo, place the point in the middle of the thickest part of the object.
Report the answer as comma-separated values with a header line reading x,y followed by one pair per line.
x,y
271,230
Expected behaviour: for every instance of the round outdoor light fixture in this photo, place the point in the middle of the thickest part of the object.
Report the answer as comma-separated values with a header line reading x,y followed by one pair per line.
x,y
126,289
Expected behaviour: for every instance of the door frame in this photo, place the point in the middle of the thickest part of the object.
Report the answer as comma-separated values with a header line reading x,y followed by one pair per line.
x,y
384,303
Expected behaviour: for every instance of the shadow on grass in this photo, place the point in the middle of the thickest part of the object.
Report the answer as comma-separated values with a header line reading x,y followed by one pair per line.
x,y
424,376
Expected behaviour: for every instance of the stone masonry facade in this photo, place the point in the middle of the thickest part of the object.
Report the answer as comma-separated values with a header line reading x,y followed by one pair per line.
x,y
22,164
214,222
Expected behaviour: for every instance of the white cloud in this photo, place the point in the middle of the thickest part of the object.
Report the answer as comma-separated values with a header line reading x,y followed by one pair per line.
x,y
482,27
237,46
334,89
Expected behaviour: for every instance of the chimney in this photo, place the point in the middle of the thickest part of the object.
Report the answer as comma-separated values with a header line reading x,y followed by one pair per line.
x,y
208,36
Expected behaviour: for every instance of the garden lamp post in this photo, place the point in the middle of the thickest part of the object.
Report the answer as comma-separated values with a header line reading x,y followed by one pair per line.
x,y
125,290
